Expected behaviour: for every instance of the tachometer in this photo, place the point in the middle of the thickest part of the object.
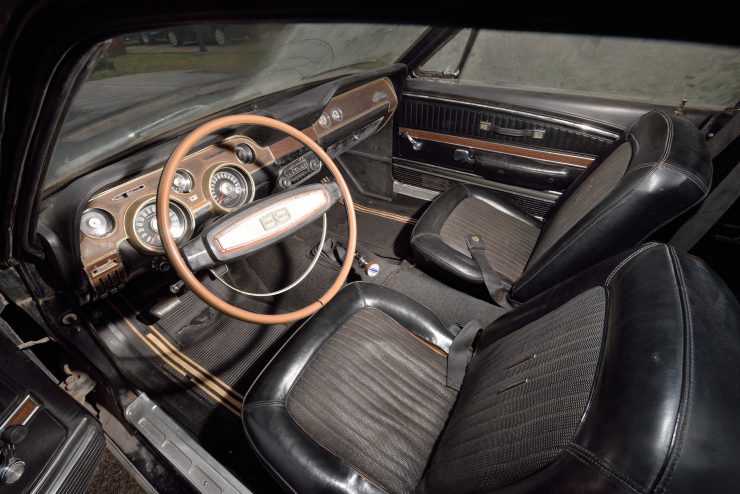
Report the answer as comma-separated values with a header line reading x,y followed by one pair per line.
x,y
229,188
147,230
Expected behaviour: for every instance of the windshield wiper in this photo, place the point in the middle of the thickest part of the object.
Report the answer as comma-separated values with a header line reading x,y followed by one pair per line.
x,y
145,130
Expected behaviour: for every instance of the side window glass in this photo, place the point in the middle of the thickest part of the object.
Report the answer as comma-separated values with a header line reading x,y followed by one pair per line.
x,y
649,70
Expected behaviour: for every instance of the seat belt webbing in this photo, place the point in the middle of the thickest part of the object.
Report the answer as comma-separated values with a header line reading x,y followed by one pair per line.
x,y
491,278
461,351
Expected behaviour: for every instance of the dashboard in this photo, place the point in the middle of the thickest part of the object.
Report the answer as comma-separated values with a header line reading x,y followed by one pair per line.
x,y
118,230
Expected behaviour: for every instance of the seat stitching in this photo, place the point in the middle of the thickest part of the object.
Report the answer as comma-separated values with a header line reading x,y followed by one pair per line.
x,y
704,195
627,259
426,211
586,229
691,176
362,294
669,138
589,459
264,403
686,387
438,258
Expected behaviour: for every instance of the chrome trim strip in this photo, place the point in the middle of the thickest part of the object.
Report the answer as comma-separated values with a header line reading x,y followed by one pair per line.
x,y
546,118
414,191
470,178
204,473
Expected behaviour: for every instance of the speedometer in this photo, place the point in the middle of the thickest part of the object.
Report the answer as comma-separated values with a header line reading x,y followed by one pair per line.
x,y
229,188
146,228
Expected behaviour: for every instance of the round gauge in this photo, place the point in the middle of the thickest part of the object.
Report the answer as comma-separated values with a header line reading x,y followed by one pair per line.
x,y
183,182
97,223
147,230
325,121
229,188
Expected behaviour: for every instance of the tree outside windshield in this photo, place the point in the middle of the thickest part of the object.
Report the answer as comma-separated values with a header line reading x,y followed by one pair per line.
x,y
150,82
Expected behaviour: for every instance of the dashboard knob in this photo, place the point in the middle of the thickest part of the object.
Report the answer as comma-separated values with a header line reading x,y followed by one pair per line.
x,y
284,183
314,164
244,153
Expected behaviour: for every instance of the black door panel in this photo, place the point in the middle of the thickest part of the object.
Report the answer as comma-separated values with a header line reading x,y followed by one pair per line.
x,y
499,167
493,123
603,113
527,155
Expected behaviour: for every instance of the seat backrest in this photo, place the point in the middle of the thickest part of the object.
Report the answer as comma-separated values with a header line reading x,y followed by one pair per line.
x,y
657,170
623,378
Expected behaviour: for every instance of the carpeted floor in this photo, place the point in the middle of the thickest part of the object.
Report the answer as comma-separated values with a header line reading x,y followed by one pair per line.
x,y
111,478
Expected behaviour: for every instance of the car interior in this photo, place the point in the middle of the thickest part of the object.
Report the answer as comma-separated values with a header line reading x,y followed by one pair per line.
x,y
340,256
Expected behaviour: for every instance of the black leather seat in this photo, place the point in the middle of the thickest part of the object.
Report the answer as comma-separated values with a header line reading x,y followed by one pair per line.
x,y
657,170
621,379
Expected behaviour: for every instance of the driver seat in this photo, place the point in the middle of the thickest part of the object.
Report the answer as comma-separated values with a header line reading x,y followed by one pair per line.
x,y
621,379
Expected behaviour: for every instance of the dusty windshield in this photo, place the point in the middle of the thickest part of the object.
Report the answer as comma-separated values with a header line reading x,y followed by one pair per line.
x,y
148,83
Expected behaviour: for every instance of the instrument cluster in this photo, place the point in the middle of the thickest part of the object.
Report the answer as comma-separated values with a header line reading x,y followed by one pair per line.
x,y
209,183
119,225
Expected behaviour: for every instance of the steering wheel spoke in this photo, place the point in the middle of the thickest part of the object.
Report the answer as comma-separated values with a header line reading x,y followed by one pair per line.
x,y
259,225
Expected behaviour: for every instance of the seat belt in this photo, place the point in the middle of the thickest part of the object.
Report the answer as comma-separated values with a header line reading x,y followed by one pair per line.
x,y
491,278
720,199
461,351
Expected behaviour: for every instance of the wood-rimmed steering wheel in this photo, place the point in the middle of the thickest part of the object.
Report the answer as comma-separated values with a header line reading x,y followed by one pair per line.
x,y
255,225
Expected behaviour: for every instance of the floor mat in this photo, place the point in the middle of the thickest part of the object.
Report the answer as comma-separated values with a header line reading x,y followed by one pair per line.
x,y
226,347
197,364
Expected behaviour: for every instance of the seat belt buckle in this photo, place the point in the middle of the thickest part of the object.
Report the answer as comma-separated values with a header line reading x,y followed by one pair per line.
x,y
474,242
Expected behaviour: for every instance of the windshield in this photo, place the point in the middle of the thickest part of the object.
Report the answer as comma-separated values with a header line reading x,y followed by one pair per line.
x,y
151,82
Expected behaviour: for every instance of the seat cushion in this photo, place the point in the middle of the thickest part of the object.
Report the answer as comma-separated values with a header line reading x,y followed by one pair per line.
x,y
357,398
439,237
375,396
526,398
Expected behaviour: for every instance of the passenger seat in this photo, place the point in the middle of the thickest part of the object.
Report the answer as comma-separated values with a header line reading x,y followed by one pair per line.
x,y
656,170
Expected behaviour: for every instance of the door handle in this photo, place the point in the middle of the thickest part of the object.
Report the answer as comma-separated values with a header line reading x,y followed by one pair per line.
x,y
505,131
416,144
